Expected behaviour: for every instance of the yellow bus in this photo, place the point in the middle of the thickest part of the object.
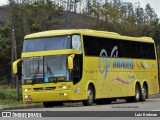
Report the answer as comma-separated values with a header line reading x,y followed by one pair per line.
x,y
87,65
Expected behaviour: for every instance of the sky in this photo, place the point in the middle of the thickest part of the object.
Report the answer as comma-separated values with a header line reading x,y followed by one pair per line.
x,y
155,4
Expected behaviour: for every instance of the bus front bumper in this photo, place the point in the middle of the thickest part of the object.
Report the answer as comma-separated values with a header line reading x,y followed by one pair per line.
x,y
46,96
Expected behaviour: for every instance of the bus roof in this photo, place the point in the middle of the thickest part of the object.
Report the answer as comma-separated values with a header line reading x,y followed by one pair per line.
x,y
88,32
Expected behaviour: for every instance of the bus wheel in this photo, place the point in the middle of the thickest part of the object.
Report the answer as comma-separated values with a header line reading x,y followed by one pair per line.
x,y
136,98
90,98
143,93
48,104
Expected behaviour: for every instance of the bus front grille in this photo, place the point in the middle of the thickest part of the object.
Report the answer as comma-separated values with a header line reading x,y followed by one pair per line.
x,y
44,88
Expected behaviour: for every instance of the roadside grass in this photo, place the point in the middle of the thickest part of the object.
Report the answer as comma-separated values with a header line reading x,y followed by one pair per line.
x,y
10,102
11,105
6,93
8,97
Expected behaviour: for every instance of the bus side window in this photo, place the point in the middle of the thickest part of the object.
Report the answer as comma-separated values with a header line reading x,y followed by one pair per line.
x,y
76,42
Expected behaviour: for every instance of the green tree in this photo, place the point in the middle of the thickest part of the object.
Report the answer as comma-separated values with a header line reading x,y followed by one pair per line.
x,y
5,46
150,14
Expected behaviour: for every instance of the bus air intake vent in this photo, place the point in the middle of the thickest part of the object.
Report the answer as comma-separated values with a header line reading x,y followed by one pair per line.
x,y
44,88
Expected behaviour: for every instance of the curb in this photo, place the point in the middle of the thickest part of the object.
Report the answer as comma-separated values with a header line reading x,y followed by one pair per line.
x,y
21,107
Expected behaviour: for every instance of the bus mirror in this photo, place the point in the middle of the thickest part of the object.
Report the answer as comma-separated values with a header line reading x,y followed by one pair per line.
x,y
70,62
15,68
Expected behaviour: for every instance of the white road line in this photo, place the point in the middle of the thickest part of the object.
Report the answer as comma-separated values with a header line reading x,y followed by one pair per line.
x,y
155,110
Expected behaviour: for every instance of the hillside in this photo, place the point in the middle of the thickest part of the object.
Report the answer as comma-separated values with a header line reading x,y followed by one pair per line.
x,y
68,20
73,20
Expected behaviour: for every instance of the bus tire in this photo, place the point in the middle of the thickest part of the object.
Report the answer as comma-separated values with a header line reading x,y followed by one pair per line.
x,y
90,97
136,98
144,93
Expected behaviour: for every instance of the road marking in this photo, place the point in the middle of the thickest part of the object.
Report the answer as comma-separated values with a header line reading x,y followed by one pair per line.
x,y
155,110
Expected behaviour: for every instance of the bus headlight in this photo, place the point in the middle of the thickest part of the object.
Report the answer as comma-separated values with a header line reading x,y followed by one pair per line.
x,y
28,99
27,96
63,94
63,87
27,89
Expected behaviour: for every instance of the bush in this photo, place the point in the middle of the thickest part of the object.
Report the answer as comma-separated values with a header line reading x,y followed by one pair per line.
x,y
2,96
3,81
8,94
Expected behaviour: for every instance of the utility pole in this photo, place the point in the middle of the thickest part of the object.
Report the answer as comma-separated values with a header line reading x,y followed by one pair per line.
x,y
13,85
15,58
12,59
15,81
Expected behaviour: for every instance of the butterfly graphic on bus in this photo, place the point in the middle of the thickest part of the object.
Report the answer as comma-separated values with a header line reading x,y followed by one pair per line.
x,y
104,61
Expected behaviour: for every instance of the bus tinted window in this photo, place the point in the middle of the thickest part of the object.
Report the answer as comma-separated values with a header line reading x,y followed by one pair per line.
x,y
126,49
48,43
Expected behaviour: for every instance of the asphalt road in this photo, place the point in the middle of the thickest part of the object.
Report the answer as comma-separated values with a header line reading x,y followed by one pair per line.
x,y
119,107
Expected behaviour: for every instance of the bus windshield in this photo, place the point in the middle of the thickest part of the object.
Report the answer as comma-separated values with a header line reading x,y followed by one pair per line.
x,y
45,69
47,43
